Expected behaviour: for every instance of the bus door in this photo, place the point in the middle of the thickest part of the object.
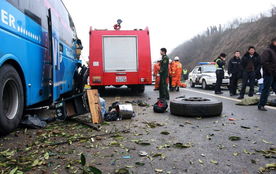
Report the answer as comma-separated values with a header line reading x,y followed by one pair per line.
x,y
56,56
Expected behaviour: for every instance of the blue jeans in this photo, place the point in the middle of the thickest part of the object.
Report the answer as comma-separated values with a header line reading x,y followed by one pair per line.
x,y
261,87
269,81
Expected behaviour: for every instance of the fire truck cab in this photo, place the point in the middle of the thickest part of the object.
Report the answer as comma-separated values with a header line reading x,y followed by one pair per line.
x,y
120,57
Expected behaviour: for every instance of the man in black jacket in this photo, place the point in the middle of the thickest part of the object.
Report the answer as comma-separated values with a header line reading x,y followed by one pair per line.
x,y
234,70
220,63
269,73
251,65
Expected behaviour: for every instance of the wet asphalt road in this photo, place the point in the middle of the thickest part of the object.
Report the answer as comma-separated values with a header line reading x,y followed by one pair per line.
x,y
211,151
232,157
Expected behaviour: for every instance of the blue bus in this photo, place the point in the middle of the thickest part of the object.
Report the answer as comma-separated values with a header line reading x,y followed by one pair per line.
x,y
38,56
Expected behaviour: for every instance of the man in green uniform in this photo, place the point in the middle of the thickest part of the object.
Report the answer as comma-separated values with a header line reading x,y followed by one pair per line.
x,y
164,73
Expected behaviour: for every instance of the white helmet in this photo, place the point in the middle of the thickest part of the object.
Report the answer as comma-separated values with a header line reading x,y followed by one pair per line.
x,y
170,60
176,58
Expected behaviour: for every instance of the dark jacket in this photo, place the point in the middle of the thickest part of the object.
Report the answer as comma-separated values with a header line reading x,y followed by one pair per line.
x,y
252,64
234,66
269,61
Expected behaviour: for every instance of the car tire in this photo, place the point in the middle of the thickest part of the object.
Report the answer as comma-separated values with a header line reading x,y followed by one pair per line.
x,y
192,85
196,107
204,85
12,99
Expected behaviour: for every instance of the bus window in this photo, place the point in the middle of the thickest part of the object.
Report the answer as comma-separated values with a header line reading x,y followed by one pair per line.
x,y
14,3
35,10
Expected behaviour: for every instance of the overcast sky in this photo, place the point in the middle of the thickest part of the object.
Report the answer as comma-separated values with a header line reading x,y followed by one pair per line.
x,y
171,22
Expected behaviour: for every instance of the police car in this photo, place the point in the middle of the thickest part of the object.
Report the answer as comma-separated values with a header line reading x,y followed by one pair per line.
x,y
205,75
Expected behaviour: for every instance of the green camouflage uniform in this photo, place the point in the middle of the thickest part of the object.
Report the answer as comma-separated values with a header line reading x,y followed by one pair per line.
x,y
164,73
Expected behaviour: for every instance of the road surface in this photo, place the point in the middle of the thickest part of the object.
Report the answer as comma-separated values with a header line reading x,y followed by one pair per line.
x,y
207,149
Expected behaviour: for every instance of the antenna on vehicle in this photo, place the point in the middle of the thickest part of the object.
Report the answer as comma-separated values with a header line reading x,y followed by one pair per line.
x,y
118,25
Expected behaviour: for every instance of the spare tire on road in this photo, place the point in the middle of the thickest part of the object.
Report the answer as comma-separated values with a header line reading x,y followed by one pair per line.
x,y
196,107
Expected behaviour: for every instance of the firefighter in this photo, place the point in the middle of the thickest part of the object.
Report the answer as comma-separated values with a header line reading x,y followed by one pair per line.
x,y
164,73
220,63
170,74
234,70
156,71
176,74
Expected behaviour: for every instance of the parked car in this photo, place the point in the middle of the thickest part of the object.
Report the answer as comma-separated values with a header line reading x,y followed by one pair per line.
x,y
205,75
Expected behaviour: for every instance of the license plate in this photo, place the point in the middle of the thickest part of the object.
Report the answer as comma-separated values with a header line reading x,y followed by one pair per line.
x,y
121,79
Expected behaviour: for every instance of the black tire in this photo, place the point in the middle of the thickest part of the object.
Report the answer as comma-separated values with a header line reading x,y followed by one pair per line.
x,y
204,85
196,107
192,85
11,99
139,89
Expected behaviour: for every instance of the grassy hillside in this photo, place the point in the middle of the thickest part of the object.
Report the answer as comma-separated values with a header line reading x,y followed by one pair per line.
x,y
207,46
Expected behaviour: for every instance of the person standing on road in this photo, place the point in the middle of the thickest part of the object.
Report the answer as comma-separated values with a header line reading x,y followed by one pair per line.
x,y
251,65
176,74
171,64
234,71
185,74
268,60
164,73
220,63
156,71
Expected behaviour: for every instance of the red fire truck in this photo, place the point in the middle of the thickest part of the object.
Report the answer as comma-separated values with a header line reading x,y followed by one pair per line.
x,y
120,57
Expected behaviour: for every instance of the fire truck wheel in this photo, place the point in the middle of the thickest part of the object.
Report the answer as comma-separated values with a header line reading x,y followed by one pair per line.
x,y
196,107
11,99
139,89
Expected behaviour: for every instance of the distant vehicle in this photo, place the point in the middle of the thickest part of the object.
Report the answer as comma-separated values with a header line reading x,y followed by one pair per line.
x,y
38,56
205,75
120,57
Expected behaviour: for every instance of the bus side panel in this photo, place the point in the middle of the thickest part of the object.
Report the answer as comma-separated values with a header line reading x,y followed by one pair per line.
x,y
23,38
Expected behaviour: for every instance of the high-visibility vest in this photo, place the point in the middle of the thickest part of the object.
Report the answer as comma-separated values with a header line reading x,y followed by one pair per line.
x,y
185,71
217,66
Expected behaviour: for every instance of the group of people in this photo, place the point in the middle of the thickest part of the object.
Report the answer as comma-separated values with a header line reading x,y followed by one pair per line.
x,y
249,68
175,72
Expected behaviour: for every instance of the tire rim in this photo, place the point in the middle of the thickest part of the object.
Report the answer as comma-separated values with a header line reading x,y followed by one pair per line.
x,y
198,99
10,99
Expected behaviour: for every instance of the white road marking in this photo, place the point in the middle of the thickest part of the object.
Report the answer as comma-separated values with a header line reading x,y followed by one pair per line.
x,y
223,97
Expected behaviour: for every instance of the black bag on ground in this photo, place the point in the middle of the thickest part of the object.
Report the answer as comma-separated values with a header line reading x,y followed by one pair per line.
x,y
160,106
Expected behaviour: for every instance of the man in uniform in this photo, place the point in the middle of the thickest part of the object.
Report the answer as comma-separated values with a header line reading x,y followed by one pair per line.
x,y
156,71
164,72
176,74
220,63
234,70
185,74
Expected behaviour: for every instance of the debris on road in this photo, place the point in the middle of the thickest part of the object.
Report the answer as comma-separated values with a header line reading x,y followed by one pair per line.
x,y
33,121
249,101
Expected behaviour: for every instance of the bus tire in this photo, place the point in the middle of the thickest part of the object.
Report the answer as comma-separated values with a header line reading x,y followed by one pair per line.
x,y
196,107
11,99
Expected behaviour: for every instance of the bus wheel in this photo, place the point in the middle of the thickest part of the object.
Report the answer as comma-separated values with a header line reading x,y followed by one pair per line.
x,y
11,99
